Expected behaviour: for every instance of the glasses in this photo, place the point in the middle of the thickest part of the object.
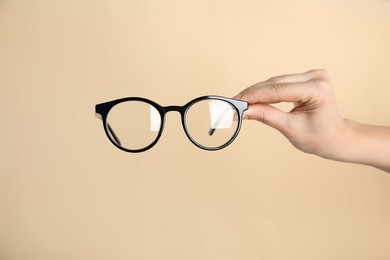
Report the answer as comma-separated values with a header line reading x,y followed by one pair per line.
x,y
135,124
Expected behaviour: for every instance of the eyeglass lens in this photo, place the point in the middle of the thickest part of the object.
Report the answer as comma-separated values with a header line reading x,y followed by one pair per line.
x,y
134,125
211,123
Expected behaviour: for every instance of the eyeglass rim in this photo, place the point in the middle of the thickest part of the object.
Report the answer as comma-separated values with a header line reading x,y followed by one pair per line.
x,y
103,110
238,105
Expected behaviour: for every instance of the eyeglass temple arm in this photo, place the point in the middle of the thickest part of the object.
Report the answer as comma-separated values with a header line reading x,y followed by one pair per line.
x,y
212,129
111,130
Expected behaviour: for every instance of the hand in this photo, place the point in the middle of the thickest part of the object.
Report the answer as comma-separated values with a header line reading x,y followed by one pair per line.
x,y
314,125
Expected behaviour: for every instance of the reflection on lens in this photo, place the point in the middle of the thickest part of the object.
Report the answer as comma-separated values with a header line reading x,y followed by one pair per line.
x,y
211,123
133,124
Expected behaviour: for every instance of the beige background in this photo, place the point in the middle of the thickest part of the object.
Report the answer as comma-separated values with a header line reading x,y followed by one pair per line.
x,y
67,193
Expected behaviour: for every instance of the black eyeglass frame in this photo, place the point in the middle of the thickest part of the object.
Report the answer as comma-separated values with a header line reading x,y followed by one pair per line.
x,y
103,110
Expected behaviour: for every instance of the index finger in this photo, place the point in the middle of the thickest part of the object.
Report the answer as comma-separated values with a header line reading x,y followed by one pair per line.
x,y
278,92
285,88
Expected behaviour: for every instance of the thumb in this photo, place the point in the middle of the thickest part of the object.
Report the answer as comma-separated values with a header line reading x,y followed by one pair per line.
x,y
268,115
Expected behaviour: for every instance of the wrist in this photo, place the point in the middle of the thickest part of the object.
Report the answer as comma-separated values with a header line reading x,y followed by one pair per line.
x,y
340,146
345,144
363,144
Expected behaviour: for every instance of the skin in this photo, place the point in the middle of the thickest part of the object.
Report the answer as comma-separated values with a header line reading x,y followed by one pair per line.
x,y
315,124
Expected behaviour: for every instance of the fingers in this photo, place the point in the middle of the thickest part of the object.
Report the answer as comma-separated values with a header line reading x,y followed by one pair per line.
x,y
285,88
268,115
308,92
299,77
277,92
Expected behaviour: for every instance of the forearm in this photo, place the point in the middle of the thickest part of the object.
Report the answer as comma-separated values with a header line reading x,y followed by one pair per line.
x,y
364,144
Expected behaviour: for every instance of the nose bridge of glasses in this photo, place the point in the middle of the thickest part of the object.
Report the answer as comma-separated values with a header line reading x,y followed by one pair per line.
x,y
173,108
